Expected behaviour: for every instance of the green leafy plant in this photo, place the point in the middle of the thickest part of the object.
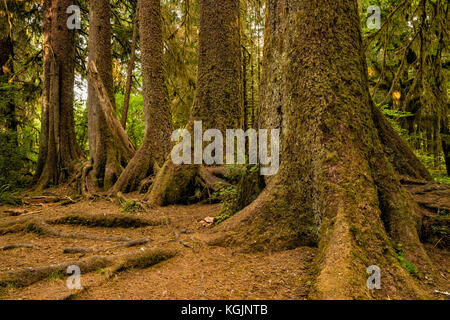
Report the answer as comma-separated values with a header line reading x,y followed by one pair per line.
x,y
130,206
411,268
246,184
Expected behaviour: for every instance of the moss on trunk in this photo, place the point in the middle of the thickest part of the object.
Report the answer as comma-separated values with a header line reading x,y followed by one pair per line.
x,y
108,155
218,102
156,144
61,151
336,188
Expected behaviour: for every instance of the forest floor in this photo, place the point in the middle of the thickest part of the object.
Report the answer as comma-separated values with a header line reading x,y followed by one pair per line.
x,y
156,253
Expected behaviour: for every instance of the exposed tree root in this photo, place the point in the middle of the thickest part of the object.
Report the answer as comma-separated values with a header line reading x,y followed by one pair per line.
x,y
107,221
183,184
26,277
21,245
148,259
145,184
39,227
14,212
143,259
139,260
129,244
64,200
122,200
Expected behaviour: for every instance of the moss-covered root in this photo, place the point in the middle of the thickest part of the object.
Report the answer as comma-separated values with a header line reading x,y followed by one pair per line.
x,y
107,220
41,228
348,229
139,260
28,276
349,244
143,259
141,166
128,244
173,184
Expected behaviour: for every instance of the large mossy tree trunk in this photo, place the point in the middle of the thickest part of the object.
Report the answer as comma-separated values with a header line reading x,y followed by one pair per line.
x,y
218,102
336,187
108,155
62,153
158,122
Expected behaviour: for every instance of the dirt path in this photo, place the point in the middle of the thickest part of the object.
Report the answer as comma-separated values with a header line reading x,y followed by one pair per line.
x,y
98,234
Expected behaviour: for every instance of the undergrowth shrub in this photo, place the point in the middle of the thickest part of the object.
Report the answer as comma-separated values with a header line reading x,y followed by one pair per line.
x,y
246,185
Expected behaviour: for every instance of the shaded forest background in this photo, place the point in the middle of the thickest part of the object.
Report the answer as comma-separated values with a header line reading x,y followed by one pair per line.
x,y
408,65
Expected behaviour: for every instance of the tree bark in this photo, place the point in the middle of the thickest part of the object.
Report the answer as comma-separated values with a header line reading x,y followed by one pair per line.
x,y
158,129
445,140
126,100
218,102
108,156
335,188
43,138
62,149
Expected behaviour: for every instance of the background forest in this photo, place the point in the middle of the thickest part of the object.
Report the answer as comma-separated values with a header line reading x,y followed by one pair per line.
x,y
408,64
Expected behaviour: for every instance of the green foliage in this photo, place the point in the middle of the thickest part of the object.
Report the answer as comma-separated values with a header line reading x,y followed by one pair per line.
x,y
135,120
246,185
440,177
229,197
434,163
441,230
80,113
395,113
130,206
411,268
55,276
12,162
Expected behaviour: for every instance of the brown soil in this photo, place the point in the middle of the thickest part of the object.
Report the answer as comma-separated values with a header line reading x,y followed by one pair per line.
x,y
197,271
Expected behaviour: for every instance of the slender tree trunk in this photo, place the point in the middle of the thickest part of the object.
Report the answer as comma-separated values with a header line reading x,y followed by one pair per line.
x,y
158,129
218,102
245,59
62,149
108,155
335,188
445,140
126,101
43,138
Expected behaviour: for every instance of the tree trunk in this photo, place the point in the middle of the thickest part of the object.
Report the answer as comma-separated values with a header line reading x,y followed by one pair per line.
x,y
335,188
218,102
108,156
43,138
445,139
156,144
62,149
126,100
